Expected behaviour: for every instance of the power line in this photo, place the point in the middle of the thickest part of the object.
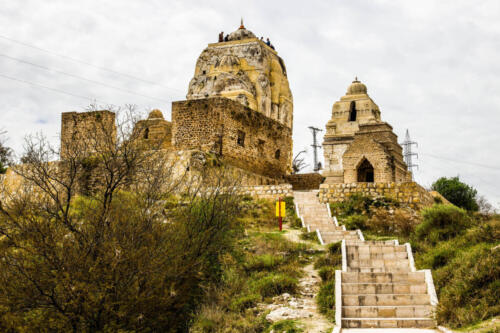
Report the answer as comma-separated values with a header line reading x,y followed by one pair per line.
x,y
496,168
48,88
82,78
87,63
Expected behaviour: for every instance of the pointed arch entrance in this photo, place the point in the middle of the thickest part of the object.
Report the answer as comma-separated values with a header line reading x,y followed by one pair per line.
x,y
366,173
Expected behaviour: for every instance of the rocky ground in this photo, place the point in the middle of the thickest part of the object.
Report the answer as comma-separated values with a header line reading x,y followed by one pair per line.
x,y
301,308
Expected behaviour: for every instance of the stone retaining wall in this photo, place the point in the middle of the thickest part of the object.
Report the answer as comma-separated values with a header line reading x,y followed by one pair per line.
x,y
268,191
408,194
305,181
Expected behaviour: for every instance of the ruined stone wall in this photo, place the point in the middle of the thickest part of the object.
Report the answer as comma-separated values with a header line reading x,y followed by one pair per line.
x,y
85,133
243,137
407,194
154,133
305,181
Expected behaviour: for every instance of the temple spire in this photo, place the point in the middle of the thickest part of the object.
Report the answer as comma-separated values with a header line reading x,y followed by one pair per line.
x,y
241,24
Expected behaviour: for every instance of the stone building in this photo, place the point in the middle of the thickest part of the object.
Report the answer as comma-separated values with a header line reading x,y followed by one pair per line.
x,y
239,106
154,132
358,146
86,132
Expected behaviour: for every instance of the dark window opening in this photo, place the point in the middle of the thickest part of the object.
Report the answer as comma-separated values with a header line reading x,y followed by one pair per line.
x,y
366,172
204,72
146,133
277,154
260,146
241,138
352,112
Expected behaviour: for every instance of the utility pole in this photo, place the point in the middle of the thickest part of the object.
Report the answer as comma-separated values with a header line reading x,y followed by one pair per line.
x,y
317,165
408,154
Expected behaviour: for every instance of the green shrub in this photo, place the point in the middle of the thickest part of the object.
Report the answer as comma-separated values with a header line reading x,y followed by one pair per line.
x,y
327,273
311,236
442,222
244,302
263,262
335,248
356,222
326,299
288,326
274,284
469,287
328,260
456,192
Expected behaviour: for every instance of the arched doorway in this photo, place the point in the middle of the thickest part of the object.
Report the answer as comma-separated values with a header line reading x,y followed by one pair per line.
x,y
365,172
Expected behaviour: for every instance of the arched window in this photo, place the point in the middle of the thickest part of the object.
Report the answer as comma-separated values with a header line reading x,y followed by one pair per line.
x,y
352,111
277,154
146,133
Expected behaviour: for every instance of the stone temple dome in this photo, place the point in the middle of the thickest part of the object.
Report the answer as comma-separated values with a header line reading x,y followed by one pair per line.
x,y
356,88
241,33
155,114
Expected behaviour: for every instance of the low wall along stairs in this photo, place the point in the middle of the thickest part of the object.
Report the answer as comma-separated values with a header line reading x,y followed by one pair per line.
x,y
378,288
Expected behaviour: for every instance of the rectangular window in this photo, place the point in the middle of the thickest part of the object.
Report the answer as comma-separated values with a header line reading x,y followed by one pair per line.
x,y
241,138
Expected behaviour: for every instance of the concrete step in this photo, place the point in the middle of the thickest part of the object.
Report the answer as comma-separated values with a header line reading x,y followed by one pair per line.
x,y
410,277
386,299
378,248
389,330
377,263
401,311
383,288
372,255
379,269
372,242
388,322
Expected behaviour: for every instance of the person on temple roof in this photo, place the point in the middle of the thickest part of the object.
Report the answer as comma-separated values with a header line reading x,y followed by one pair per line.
x,y
226,38
268,42
221,37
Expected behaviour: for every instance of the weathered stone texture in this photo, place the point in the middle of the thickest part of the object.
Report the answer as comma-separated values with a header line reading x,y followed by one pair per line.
x,y
407,194
358,145
154,132
272,192
246,70
305,181
87,132
243,137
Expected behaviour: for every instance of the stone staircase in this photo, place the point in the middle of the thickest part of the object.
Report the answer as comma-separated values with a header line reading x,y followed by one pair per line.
x,y
316,217
381,289
378,287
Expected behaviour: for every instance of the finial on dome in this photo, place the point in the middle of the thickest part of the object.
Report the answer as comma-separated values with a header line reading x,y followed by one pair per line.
x,y
355,79
241,24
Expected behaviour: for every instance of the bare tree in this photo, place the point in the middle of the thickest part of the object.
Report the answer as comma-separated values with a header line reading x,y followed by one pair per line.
x,y
5,153
113,237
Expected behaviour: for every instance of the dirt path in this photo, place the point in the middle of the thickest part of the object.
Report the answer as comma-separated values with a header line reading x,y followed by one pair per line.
x,y
303,308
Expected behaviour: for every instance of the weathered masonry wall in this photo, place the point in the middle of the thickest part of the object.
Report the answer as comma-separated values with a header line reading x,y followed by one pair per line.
x,y
409,194
305,181
244,138
81,132
272,192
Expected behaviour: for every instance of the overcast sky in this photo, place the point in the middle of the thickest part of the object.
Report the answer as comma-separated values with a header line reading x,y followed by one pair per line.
x,y
432,66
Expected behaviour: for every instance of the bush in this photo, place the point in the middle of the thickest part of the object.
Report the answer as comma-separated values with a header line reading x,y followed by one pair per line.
x,y
244,302
335,248
310,236
327,273
442,222
274,284
288,326
263,262
469,287
456,192
326,299
356,222
400,221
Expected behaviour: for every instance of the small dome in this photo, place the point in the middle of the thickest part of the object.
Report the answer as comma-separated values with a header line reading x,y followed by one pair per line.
x,y
356,88
155,114
241,33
